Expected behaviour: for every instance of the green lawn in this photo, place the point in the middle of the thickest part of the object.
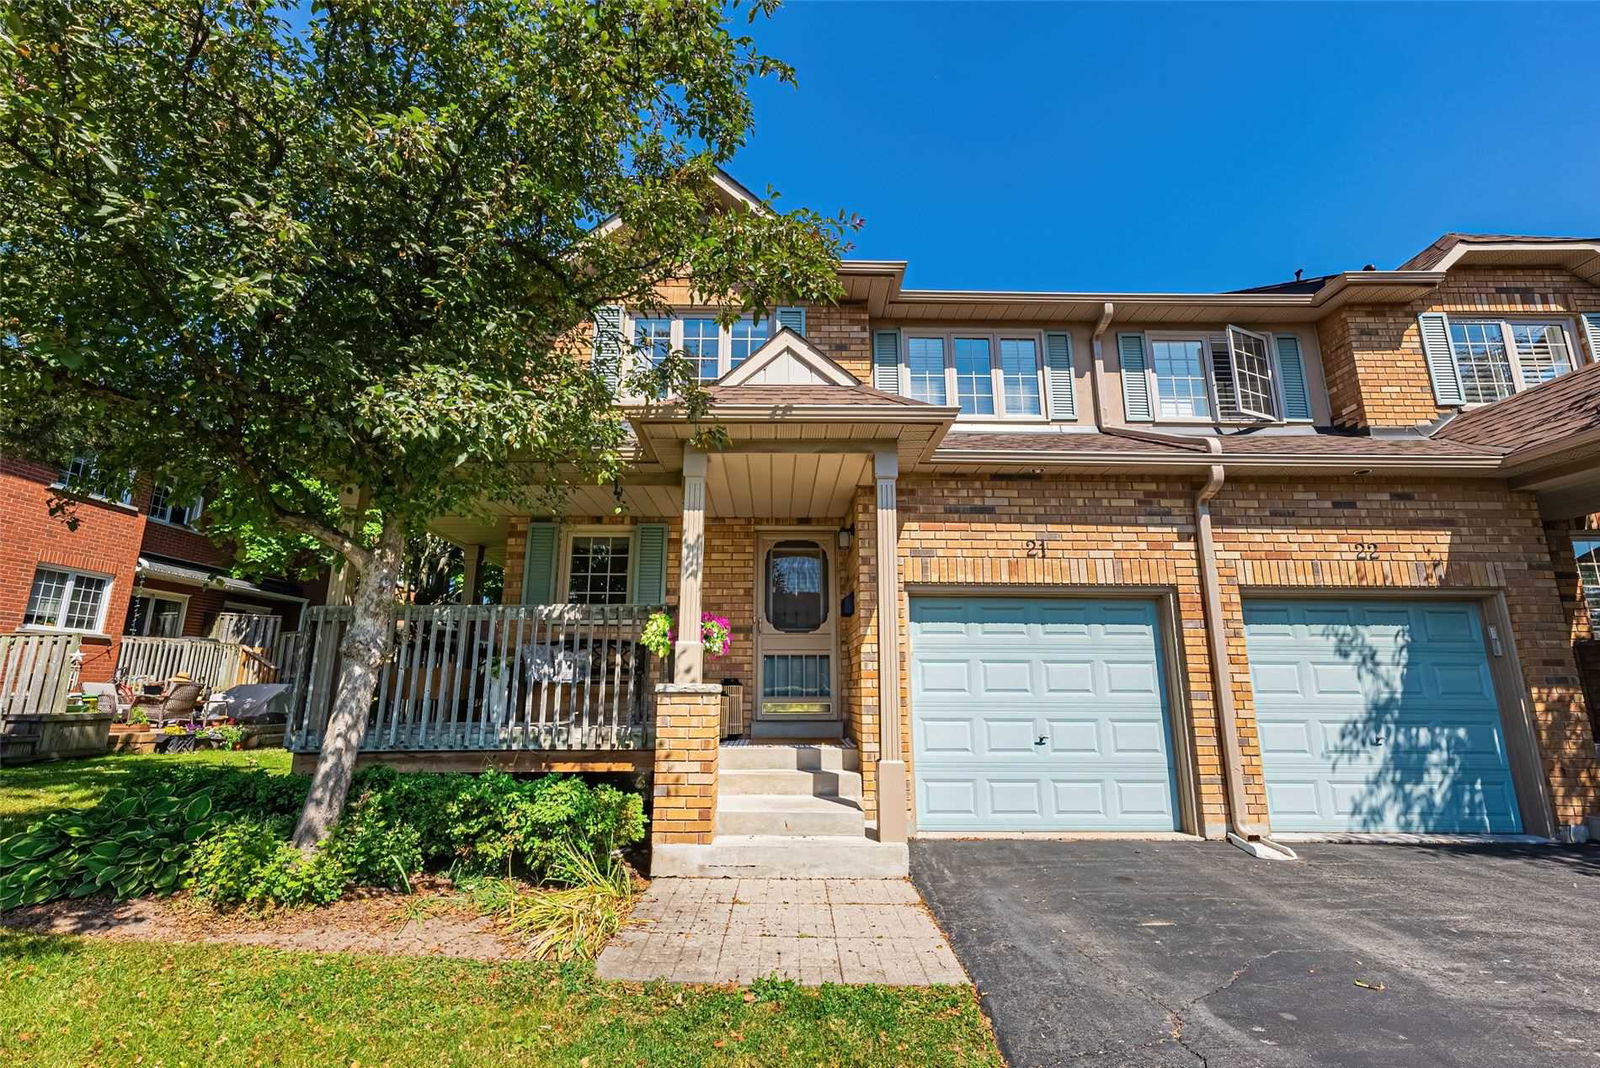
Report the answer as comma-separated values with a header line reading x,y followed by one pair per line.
x,y
76,1001
29,791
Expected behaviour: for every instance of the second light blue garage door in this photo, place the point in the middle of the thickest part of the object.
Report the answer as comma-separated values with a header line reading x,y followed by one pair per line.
x,y
1378,716
1037,714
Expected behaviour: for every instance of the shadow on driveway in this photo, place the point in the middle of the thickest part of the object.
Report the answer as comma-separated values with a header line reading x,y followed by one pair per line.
x,y
1180,953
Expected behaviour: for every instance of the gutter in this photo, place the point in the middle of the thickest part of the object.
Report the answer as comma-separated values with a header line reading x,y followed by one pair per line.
x,y
1096,353
1243,831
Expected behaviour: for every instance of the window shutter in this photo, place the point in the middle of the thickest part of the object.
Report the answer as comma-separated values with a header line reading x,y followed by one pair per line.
x,y
1591,332
1435,328
608,343
1292,379
650,571
1058,376
886,361
1135,382
539,564
793,318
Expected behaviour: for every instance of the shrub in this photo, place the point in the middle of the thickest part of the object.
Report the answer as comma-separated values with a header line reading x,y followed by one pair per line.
x,y
134,842
377,852
252,863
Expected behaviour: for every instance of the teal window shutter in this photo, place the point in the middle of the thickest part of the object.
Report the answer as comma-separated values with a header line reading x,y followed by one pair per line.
x,y
650,569
1058,376
1591,331
886,361
608,343
1292,378
539,564
793,318
1135,379
1441,358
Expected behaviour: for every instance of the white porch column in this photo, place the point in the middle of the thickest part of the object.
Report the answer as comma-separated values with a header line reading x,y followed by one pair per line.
x,y
891,761
471,567
689,651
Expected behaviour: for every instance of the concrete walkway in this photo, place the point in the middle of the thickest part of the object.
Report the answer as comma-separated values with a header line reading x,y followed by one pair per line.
x,y
811,930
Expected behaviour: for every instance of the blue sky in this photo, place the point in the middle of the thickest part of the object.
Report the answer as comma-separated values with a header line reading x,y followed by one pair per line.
x,y
1178,147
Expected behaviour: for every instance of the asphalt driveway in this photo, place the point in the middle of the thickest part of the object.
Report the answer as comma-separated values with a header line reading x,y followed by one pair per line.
x,y
1178,953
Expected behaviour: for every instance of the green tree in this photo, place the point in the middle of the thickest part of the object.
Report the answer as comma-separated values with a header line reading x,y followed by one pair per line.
x,y
300,266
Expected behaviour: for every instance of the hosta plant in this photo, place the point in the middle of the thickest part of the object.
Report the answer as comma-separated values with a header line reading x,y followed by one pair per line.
x,y
132,843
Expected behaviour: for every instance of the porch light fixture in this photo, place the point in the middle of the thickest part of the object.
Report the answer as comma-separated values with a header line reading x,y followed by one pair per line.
x,y
846,536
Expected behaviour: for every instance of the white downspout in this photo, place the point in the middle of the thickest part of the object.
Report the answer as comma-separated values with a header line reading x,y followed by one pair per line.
x,y
1096,354
1243,831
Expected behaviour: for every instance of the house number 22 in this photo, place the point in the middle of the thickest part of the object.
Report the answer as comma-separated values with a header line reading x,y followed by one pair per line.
x,y
1035,547
1366,550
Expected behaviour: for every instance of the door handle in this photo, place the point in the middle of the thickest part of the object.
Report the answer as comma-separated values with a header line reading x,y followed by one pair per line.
x,y
1043,739
1378,740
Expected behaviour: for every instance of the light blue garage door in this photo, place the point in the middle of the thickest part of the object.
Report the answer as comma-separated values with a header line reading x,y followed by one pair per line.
x,y
1033,714
1378,716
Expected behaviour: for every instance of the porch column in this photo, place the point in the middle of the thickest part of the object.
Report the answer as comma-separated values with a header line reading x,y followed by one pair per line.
x,y
689,652
471,565
891,762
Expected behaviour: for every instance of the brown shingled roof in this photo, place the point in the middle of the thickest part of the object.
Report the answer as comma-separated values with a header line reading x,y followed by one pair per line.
x,y
1434,253
1560,408
1330,446
809,394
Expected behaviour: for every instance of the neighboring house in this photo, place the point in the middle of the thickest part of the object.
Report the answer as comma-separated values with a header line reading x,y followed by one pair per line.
x,y
1117,562
136,565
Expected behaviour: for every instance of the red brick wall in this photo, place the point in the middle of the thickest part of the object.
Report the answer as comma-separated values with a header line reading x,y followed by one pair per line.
x,y
1372,355
106,542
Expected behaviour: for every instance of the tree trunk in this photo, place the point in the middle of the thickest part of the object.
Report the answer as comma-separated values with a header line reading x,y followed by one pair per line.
x,y
365,645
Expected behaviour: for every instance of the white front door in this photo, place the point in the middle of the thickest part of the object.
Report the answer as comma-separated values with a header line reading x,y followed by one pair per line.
x,y
796,628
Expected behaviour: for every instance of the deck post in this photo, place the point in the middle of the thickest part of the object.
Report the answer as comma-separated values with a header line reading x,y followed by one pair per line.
x,y
891,761
689,651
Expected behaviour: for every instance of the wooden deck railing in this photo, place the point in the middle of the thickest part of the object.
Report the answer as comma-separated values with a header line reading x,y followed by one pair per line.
x,y
215,665
36,672
257,629
568,677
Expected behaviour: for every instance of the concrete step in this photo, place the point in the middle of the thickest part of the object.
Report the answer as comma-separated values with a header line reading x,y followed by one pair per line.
x,y
800,728
788,814
793,781
784,857
804,757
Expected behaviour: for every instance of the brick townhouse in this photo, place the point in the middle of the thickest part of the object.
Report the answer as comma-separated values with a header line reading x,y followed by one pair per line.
x,y
134,565
1285,559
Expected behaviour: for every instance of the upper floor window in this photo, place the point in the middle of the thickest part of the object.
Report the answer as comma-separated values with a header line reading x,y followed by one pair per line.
x,y
1230,376
986,374
155,615
70,600
165,509
713,348
1496,357
83,475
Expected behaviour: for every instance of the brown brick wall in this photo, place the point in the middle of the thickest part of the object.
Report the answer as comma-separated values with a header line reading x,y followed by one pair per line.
x,y
1271,535
1372,354
684,786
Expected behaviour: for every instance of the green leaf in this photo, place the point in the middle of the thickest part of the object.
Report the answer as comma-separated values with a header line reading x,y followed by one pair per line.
x,y
162,807
106,850
126,807
198,808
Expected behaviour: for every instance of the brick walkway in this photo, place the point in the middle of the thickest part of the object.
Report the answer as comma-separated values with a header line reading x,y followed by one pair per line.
x,y
812,930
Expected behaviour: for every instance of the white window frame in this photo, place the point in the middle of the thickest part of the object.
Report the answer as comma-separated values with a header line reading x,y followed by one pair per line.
x,y
1590,591
1209,368
73,574
64,483
1519,382
675,320
997,387
570,534
181,599
193,509
1274,390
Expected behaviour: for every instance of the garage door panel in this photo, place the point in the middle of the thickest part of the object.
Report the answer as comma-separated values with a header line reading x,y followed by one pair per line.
x,y
1084,676
1394,724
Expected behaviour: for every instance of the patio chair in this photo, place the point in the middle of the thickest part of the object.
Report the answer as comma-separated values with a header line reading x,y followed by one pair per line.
x,y
180,702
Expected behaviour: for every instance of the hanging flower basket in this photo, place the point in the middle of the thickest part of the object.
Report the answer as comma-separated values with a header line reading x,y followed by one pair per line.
x,y
658,636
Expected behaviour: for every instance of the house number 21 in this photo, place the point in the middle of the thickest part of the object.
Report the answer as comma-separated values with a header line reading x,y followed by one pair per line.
x,y
1035,547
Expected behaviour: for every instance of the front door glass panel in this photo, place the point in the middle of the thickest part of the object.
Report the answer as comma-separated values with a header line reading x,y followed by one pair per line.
x,y
797,586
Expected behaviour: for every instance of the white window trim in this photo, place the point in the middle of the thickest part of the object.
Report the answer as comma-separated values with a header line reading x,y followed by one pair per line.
x,y
1568,326
1208,366
193,507
675,319
947,338
73,574
160,595
1592,604
564,568
61,485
